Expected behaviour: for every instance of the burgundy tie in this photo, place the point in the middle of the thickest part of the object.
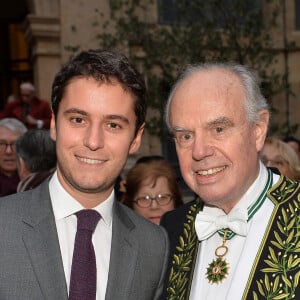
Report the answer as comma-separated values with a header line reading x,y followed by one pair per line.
x,y
83,280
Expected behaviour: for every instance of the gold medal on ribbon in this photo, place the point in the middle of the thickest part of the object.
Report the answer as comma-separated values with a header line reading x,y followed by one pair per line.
x,y
217,270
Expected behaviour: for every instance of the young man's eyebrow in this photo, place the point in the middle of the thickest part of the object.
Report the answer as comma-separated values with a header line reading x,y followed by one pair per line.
x,y
75,111
117,117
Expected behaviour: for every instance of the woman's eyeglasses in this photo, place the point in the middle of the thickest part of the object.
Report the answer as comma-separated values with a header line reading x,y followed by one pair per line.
x,y
146,201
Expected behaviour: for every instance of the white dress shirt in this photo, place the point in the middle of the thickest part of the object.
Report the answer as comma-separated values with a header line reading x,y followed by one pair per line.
x,y
241,250
64,208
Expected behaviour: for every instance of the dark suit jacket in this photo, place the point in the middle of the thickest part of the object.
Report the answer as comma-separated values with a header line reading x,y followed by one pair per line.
x,y
30,260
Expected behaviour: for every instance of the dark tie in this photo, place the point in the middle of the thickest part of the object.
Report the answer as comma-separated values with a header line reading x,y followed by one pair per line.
x,y
83,280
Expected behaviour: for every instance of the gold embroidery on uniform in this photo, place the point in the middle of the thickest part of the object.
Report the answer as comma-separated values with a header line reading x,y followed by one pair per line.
x,y
280,273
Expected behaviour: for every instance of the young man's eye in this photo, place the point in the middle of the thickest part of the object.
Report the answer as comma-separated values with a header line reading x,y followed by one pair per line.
x,y
77,120
114,126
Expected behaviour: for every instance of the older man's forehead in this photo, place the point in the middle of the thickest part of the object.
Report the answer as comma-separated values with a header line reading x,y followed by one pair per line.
x,y
6,132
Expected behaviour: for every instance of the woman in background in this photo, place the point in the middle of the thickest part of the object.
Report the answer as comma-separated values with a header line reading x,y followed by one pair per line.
x,y
280,155
152,189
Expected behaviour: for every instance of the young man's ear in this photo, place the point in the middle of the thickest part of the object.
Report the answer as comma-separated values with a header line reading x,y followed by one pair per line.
x,y
137,141
53,128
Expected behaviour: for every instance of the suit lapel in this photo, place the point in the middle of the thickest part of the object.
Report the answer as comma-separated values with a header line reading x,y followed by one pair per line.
x,y
41,242
123,256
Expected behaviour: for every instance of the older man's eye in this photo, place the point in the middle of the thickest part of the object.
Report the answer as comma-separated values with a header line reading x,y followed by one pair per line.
x,y
184,138
219,129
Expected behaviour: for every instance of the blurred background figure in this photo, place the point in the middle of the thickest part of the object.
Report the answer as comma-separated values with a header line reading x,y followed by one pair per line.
x,y
36,158
294,143
152,189
145,159
120,186
280,155
10,130
29,109
11,98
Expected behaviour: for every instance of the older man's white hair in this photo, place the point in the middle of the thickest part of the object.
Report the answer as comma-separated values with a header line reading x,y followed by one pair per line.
x,y
27,86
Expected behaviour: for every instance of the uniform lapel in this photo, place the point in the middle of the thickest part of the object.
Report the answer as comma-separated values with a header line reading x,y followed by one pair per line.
x,y
184,257
41,242
276,272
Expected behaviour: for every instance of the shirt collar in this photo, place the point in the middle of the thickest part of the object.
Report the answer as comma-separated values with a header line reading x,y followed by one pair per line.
x,y
65,205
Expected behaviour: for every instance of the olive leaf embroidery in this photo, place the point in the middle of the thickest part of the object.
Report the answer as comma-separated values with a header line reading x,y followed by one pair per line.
x,y
183,259
282,271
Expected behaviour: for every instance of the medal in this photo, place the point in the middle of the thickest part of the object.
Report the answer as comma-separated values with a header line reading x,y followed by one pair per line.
x,y
217,270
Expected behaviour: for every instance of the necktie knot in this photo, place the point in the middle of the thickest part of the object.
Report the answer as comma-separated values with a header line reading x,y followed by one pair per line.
x,y
87,219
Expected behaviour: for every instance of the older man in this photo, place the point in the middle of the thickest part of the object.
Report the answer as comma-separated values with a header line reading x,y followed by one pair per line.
x,y
32,111
10,130
240,238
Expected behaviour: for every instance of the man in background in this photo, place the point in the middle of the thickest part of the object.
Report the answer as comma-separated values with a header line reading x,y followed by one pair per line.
x,y
36,158
29,109
10,130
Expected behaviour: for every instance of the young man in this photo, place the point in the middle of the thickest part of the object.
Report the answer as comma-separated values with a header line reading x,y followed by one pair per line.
x,y
240,238
98,103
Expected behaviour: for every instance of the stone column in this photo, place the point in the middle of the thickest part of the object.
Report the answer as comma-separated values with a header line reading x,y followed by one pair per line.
x,y
43,34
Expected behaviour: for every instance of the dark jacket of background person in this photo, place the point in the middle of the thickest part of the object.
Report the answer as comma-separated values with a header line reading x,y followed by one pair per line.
x,y
8,185
36,157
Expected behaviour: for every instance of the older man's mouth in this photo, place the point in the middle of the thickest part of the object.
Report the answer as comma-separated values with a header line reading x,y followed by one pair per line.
x,y
210,171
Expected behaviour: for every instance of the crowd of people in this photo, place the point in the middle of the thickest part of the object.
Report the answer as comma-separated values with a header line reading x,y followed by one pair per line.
x,y
68,231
